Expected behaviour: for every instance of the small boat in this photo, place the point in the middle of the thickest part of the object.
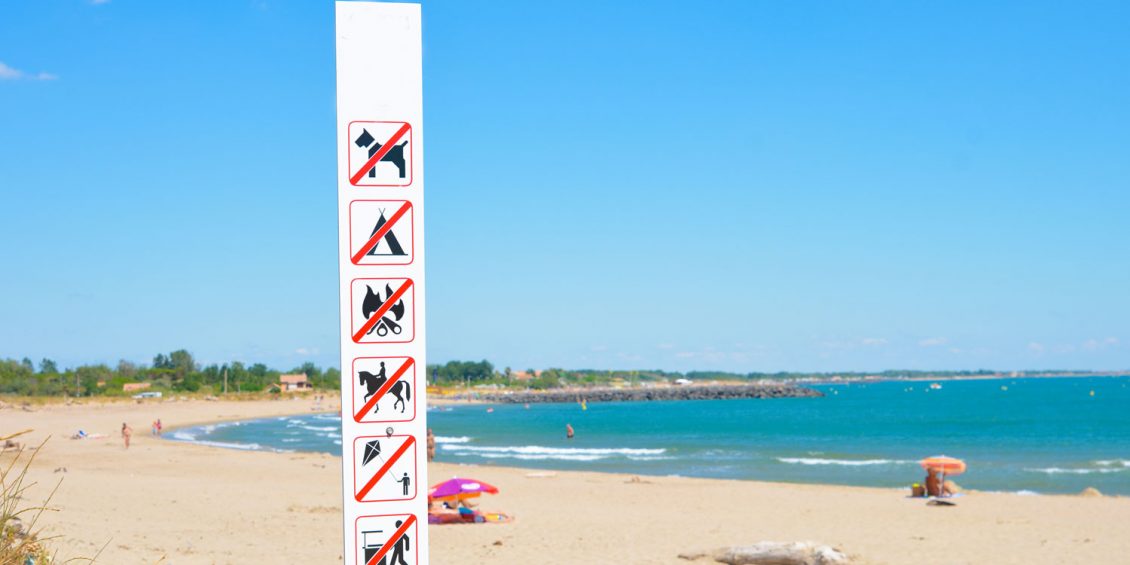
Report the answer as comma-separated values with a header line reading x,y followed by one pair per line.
x,y
935,386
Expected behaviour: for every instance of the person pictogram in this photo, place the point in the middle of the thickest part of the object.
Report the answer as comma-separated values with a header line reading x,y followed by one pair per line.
x,y
400,547
405,481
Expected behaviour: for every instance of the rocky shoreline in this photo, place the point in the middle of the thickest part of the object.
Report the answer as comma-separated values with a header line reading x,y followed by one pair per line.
x,y
692,392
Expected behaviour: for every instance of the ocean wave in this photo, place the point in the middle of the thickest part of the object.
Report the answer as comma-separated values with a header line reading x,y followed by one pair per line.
x,y
445,439
539,457
1114,463
303,426
1064,471
552,451
847,462
184,436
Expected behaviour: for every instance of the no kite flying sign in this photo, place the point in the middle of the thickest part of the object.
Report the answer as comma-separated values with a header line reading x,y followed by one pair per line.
x,y
381,273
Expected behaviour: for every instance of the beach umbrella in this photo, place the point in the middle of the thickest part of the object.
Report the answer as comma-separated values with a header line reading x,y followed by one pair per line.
x,y
459,488
943,464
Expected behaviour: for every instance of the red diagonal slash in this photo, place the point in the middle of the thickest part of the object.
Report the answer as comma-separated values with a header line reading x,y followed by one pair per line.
x,y
385,148
376,317
384,468
383,390
387,546
387,227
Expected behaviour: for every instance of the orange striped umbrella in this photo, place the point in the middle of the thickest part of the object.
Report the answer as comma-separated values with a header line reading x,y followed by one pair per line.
x,y
947,465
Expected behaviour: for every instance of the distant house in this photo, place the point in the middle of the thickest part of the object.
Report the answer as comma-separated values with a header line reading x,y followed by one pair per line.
x,y
524,375
294,383
133,387
683,382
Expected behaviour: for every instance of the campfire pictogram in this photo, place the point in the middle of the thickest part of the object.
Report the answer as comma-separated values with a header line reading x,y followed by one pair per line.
x,y
373,302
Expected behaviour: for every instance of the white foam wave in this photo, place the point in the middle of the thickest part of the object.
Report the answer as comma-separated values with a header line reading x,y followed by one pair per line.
x,y
538,450
1114,463
317,428
1063,471
544,457
184,436
445,439
846,462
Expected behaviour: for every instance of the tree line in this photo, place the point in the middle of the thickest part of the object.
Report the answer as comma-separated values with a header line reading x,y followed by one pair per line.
x,y
177,371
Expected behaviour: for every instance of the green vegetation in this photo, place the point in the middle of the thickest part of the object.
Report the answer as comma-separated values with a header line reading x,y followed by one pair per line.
x,y
175,372
179,372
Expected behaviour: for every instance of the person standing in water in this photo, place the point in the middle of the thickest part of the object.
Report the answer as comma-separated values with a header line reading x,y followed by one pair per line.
x,y
568,431
431,445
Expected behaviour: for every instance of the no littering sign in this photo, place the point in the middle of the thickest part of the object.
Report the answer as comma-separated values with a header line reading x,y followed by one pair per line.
x,y
389,539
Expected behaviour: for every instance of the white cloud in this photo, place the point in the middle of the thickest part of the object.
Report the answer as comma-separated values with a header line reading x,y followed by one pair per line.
x,y
933,342
11,73
306,351
8,73
1099,344
1036,347
99,2
874,341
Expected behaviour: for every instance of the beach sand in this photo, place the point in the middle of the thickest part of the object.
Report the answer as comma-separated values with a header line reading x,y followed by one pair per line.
x,y
174,503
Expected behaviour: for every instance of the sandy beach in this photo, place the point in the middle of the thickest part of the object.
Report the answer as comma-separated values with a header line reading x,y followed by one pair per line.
x,y
175,503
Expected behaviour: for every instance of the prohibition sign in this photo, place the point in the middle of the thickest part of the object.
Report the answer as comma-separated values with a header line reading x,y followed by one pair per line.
x,y
404,210
408,523
366,488
375,156
376,319
375,397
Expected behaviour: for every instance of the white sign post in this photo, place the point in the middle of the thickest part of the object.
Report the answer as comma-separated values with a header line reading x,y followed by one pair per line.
x,y
381,265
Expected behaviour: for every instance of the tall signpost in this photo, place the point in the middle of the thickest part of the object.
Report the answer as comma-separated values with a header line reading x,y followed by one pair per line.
x,y
380,161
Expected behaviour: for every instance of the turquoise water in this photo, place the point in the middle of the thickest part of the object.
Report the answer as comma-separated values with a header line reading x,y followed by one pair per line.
x,y
1039,435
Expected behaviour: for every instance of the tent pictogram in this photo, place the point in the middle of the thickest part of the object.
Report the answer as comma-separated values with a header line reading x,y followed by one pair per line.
x,y
382,310
384,468
384,389
380,153
381,232
390,539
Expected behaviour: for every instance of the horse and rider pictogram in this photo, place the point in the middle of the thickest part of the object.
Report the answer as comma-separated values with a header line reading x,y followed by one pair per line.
x,y
383,389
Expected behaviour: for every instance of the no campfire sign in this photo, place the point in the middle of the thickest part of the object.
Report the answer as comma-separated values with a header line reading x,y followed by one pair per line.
x,y
381,272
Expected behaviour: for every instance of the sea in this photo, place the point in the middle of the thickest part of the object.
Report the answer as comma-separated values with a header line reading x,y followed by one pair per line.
x,y
1025,435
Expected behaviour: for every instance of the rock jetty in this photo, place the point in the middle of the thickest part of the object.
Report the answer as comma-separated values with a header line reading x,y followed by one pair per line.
x,y
690,392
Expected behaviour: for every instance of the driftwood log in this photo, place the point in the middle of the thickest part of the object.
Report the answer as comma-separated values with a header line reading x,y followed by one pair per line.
x,y
774,553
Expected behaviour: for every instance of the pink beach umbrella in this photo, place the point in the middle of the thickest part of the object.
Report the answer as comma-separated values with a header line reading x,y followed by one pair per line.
x,y
459,488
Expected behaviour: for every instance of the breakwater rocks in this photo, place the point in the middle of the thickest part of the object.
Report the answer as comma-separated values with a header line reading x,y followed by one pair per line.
x,y
691,392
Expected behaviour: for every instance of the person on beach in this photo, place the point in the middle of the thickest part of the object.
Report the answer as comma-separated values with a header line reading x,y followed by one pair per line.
x,y
127,433
568,431
431,445
160,427
934,485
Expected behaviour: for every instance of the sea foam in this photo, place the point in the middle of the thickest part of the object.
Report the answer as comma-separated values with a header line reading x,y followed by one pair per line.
x,y
847,462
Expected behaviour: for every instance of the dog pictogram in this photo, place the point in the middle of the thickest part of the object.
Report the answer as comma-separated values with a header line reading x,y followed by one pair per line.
x,y
380,153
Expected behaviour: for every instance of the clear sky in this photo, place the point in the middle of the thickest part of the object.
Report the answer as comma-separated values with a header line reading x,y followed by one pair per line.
x,y
750,186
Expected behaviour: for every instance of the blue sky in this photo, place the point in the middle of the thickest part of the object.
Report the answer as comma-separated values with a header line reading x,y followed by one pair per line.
x,y
749,186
